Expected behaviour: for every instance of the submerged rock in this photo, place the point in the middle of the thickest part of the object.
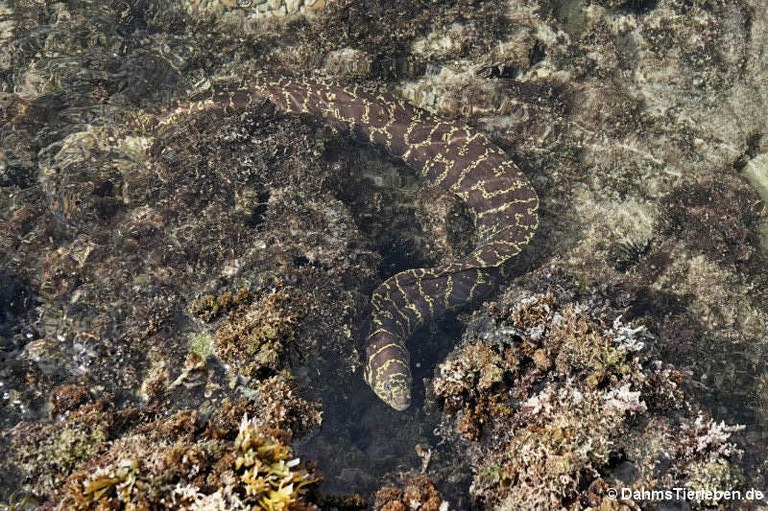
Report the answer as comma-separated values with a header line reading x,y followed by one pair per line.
x,y
561,412
127,343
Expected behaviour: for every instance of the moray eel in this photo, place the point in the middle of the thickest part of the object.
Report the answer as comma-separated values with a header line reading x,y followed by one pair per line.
x,y
450,155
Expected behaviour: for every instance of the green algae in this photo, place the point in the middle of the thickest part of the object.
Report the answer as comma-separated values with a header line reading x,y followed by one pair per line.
x,y
202,344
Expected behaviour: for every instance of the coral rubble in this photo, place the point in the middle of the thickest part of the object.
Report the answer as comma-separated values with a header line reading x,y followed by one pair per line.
x,y
559,409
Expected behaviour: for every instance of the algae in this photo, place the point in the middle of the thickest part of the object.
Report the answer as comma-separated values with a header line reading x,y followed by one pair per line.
x,y
158,283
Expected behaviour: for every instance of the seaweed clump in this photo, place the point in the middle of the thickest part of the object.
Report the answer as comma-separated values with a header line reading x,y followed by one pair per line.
x,y
191,461
253,337
419,493
269,468
559,408
256,471
42,455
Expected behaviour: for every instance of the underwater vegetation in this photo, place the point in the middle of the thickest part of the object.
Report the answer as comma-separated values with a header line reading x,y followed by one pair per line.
x,y
558,408
256,471
418,492
102,457
257,329
160,284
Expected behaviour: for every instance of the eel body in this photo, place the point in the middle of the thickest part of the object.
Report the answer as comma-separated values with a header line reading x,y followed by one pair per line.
x,y
450,155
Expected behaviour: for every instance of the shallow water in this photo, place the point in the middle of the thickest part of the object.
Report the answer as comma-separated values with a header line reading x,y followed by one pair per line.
x,y
641,125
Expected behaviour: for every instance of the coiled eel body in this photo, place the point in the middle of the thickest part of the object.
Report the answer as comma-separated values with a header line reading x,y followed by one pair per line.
x,y
450,155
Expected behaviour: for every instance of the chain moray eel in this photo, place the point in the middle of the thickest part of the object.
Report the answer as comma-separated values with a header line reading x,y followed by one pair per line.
x,y
501,201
